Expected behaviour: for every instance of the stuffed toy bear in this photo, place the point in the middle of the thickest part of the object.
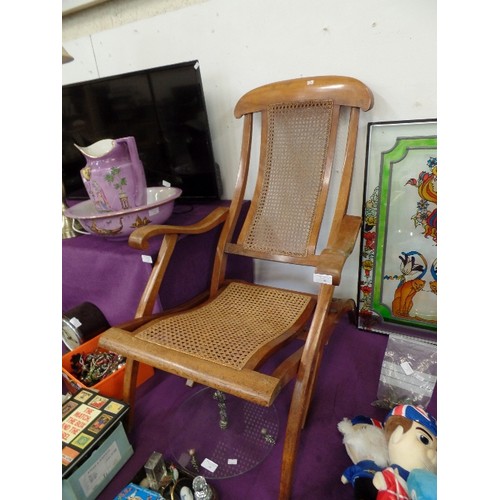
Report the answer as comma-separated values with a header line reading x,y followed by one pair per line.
x,y
366,446
411,435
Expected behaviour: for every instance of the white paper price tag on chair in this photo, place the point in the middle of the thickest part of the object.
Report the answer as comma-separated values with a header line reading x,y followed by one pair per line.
x,y
147,259
322,278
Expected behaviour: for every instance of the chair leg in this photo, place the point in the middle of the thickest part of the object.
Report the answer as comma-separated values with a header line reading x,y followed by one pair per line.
x,y
296,416
308,394
299,407
129,388
342,307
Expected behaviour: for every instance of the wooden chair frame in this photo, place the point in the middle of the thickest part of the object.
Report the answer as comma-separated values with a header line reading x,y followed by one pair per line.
x,y
311,109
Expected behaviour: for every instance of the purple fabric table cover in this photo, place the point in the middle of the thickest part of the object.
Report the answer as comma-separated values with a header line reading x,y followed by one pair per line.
x,y
112,275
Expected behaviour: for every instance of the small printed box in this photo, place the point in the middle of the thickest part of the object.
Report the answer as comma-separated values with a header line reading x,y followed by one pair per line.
x,y
94,443
136,492
88,480
112,385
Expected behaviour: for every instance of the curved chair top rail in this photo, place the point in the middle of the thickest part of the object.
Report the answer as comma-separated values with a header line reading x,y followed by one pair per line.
x,y
343,90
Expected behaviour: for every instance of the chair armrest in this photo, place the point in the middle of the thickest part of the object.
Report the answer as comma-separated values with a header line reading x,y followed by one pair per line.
x,y
139,238
332,259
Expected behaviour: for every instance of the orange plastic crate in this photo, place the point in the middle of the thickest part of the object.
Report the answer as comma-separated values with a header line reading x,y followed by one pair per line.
x,y
112,385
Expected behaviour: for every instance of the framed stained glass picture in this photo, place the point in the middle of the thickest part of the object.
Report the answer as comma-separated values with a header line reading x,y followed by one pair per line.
x,y
397,290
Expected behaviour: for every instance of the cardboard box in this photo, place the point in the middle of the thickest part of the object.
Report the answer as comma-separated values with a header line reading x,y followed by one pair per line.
x,y
97,471
112,385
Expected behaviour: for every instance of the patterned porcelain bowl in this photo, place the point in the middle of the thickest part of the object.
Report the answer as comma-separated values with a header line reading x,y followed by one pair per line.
x,y
119,225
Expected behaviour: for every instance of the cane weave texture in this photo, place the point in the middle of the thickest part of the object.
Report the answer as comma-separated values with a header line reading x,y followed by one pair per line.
x,y
257,315
297,138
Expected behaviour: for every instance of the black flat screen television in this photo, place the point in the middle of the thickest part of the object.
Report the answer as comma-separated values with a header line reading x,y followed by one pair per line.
x,y
163,108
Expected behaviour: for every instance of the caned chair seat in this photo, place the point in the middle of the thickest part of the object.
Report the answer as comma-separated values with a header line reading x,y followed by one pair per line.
x,y
258,316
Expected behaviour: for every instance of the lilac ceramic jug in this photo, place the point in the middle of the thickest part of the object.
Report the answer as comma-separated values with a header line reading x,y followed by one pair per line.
x,y
114,175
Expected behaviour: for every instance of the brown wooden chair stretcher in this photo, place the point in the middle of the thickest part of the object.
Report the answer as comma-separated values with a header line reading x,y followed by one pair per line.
x,y
221,339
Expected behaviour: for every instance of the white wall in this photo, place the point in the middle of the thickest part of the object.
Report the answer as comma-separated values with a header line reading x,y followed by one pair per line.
x,y
389,44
